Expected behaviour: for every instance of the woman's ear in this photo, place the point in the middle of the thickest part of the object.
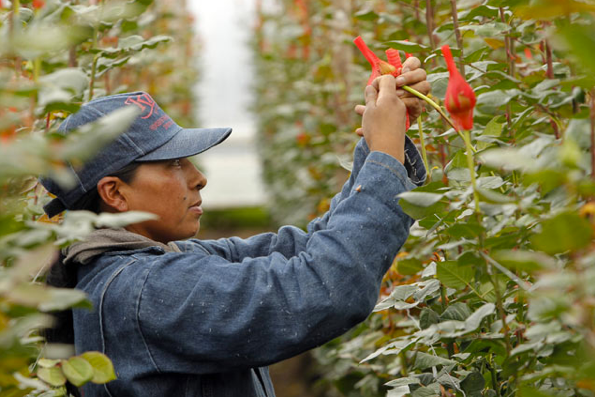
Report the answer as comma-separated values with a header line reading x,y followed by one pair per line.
x,y
110,191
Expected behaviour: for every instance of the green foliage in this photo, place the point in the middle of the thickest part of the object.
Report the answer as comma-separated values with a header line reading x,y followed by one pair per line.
x,y
52,59
492,294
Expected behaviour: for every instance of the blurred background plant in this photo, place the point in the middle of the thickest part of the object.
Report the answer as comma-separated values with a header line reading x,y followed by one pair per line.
x,y
494,299
55,55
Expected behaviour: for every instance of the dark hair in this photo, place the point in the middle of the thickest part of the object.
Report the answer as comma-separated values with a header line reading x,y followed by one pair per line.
x,y
63,276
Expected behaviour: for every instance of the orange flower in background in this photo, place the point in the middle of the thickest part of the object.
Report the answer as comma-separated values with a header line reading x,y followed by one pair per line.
x,y
460,98
37,4
380,67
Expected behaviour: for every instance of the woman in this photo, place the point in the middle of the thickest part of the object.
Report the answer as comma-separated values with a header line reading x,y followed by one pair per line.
x,y
205,318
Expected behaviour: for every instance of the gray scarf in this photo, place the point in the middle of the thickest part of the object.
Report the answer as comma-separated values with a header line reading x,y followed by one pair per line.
x,y
106,240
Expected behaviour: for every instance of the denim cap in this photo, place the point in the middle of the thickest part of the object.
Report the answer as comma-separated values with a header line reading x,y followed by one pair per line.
x,y
152,136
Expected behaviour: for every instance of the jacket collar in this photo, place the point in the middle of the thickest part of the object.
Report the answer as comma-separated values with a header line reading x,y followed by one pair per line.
x,y
107,240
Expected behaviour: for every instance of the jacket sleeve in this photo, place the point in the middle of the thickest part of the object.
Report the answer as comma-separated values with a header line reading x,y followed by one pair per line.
x,y
206,313
290,240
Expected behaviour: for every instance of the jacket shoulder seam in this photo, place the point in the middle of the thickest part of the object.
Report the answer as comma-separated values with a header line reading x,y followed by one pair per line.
x,y
138,322
101,301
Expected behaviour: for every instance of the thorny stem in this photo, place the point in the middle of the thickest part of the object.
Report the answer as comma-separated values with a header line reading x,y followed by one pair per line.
x,y
450,345
455,21
501,311
471,166
13,27
549,61
404,364
507,46
430,22
550,75
593,133
424,154
416,5
92,80
494,375
72,57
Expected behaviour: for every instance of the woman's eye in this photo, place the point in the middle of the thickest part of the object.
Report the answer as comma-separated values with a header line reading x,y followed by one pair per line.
x,y
177,163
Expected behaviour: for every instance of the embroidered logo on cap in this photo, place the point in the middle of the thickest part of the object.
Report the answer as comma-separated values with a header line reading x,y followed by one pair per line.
x,y
144,102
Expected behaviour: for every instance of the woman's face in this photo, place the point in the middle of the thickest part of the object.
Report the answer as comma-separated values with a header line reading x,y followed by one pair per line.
x,y
171,190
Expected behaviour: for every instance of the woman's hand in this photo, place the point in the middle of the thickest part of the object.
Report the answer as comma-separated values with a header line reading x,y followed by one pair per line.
x,y
383,123
414,77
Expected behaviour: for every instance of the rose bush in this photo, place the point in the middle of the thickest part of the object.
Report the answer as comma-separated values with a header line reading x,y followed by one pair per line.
x,y
53,56
493,293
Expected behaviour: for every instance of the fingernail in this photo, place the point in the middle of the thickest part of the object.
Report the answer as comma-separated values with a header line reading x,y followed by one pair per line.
x,y
400,93
400,80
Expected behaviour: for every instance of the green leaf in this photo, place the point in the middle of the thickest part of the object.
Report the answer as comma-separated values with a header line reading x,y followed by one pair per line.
x,y
527,261
123,219
64,298
409,267
103,369
527,391
424,360
488,29
474,320
419,205
493,129
491,101
400,391
548,179
78,371
428,317
52,376
579,38
421,199
473,383
493,196
458,311
47,363
564,232
87,140
507,159
409,380
407,46
453,275
424,391
366,15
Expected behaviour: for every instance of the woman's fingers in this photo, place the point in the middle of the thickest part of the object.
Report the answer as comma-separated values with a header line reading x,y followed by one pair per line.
x,y
414,107
371,94
410,64
411,78
386,88
360,109
423,87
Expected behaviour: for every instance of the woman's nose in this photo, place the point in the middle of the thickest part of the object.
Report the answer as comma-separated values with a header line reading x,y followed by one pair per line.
x,y
198,179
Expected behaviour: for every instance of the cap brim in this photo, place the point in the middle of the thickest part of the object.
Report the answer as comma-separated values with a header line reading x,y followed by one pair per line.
x,y
188,142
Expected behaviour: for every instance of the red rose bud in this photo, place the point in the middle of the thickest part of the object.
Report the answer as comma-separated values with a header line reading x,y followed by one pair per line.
x,y
460,98
380,67
394,59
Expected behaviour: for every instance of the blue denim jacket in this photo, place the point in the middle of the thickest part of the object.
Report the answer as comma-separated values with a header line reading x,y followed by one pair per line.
x,y
207,321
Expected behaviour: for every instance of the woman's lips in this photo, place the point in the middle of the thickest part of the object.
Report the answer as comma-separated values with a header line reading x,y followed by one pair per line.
x,y
196,209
